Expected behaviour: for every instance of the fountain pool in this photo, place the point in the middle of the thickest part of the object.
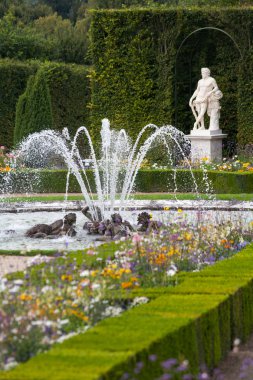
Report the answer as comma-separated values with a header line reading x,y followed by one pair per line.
x,y
14,225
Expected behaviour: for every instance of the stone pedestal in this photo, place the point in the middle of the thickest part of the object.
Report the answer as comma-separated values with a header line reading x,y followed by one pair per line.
x,y
206,143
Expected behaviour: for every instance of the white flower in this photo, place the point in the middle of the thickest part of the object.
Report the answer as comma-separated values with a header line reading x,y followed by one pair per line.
x,y
14,290
85,273
3,282
112,311
37,323
139,301
95,286
172,270
237,342
11,363
64,322
18,282
46,289
64,337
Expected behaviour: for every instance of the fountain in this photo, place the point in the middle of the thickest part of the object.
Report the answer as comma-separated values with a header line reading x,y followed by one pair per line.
x,y
116,170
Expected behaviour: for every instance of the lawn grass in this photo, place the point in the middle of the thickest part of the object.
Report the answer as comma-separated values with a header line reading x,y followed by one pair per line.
x,y
138,196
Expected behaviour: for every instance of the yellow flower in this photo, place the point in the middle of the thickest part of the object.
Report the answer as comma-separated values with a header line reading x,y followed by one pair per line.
x,y
166,208
188,236
246,164
66,277
25,297
79,315
179,210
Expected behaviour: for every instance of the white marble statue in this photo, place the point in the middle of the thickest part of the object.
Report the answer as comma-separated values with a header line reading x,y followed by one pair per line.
x,y
206,99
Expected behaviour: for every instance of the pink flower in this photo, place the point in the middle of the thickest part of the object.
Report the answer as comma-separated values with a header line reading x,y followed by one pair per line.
x,y
136,238
91,252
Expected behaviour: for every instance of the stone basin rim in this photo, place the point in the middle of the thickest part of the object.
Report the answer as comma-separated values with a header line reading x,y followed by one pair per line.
x,y
171,205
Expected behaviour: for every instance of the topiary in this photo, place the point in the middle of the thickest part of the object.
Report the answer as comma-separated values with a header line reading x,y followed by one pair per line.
x,y
38,112
20,119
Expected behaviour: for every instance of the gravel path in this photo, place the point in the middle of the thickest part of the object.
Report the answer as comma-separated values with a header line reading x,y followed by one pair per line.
x,y
238,365
9,264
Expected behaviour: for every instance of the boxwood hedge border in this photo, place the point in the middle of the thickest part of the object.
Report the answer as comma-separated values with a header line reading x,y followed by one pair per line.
x,y
54,181
198,320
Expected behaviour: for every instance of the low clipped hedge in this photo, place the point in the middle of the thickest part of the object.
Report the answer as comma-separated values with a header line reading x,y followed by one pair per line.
x,y
198,320
54,181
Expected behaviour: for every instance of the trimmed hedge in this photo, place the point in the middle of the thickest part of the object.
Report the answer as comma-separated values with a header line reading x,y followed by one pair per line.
x,y
198,320
69,89
13,79
36,106
54,181
139,79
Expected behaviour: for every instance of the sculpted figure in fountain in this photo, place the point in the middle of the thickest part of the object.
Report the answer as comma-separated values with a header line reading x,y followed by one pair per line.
x,y
206,99
58,228
145,224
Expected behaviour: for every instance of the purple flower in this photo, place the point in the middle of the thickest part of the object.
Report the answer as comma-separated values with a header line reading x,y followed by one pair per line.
x,y
187,376
125,376
152,358
203,376
138,367
165,376
167,364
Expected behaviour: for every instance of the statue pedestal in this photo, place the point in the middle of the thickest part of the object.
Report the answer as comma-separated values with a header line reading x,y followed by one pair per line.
x,y
206,143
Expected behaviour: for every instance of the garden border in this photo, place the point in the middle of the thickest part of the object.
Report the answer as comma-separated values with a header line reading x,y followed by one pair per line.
x,y
159,180
193,320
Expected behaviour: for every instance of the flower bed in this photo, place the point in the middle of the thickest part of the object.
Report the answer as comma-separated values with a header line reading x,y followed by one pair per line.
x,y
58,299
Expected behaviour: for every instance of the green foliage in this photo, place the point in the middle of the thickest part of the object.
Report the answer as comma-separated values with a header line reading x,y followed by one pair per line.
x,y
69,90
18,41
245,106
197,320
54,181
34,109
137,78
46,36
70,94
22,120
38,110
70,42
13,79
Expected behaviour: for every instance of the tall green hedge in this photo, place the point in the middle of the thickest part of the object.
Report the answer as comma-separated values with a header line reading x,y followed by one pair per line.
x,y
69,89
21,108
13,80
245,104
140,76
34,109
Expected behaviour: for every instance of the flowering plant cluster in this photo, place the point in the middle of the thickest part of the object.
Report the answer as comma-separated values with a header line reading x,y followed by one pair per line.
x,y
233,164
54,301
64,296
7,160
